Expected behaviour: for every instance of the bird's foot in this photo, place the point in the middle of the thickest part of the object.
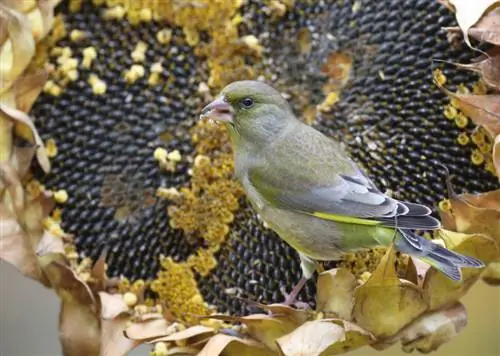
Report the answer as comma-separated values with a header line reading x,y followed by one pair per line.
x,y
291,298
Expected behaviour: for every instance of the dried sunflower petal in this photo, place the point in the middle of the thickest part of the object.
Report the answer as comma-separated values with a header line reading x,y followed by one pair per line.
x,y
385,304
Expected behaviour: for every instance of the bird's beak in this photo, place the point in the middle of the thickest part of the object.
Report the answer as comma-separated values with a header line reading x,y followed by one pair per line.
x,y
218,110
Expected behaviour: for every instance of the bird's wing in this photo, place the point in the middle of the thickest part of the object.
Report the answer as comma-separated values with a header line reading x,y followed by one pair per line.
x,y
308,172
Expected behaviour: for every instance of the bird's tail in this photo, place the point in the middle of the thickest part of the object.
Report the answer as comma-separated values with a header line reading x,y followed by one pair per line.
x,y
446,261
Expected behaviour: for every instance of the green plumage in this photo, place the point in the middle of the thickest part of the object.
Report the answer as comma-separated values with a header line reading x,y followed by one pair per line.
x,y
310,192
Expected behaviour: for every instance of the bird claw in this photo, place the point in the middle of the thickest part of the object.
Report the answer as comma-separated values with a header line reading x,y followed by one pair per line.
x,y
291,298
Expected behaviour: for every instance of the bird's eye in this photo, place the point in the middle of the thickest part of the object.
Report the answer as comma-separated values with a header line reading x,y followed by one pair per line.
x,y
247,102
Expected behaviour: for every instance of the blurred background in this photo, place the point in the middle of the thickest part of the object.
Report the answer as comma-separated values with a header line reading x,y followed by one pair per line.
x,y
29,317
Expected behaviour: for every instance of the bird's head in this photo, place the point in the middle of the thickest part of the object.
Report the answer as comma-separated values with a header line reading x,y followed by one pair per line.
x,y
253,110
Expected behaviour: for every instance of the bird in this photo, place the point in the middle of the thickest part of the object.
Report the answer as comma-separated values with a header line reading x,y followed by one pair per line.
x,y
307,189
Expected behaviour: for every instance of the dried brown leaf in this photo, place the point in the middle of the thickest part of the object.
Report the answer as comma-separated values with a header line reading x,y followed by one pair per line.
x,y
21,117
9,180
492,274
16,54
6,137
416,271
335,293
46,9
324,337
27,88
474,213
385,304
489,69
21,159
232,345
50,243
150,329
430,330
192,335
488,28
442,291
266,328
496,155
468,13
15,246
67,284
79,330
484,110
115,315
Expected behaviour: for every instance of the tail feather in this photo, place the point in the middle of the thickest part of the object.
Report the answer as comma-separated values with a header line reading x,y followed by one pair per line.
x,y
412,222
416,209
448,269
446,261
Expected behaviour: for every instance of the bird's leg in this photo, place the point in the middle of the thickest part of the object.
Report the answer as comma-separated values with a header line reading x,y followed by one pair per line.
x,y
291,298
308,267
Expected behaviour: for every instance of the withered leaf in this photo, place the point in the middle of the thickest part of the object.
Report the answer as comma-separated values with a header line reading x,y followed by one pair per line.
x,y
49,244
488,28
21,159
79,330
114,317
484,110
9,179
233,346
324,337
468,13
265,328
496,155
385,304
17,53
489,69
21,117
474,213
442,291
335,293
492,274
150,329
15,246
429,331
27,88
6,137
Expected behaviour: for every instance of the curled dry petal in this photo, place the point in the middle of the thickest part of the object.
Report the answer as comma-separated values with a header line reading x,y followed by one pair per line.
x,y
67,284
42,18
150,329
474,213
15,246
335,293
192,335
488,28
492,274
324,337
114,317
232,345
6,138
27,88
50,243
468,13
21,159
266,328
9,180
496,155
17,52
385,304
79,330
429,331
442,291
489,69
23,118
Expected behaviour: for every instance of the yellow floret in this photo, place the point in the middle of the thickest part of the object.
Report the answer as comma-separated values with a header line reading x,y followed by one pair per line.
x,y
61,196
